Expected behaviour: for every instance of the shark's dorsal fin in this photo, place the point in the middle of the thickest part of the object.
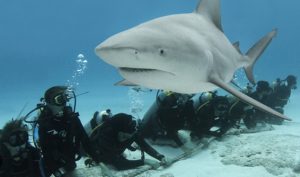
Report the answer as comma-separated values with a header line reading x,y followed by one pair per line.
x,y
255,51
125,83
236,45
211,10
246,99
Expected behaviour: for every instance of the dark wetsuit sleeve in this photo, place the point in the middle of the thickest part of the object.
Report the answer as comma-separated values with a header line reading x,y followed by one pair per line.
x,y
147,148
84,139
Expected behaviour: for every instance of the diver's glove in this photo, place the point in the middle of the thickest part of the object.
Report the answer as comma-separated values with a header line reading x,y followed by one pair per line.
x,y
165,161
185,149
89,162
160,157
59,172
153,163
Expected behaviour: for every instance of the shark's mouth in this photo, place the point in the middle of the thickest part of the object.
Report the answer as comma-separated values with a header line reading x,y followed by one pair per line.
x,y
144,71
125,69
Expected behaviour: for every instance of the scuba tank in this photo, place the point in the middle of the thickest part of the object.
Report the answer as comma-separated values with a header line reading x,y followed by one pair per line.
x,y
203,99
149,119
97,120
164,99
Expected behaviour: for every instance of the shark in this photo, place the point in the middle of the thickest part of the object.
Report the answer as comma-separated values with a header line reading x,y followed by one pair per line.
x,y
184,53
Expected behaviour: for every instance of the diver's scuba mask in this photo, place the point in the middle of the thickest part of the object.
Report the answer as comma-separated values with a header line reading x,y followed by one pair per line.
x,y
58,95
221,109
17,152
18,138
59,102
17,144
61,99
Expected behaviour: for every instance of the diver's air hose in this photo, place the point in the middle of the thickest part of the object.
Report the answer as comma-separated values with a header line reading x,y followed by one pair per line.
x,y
39,106
75,100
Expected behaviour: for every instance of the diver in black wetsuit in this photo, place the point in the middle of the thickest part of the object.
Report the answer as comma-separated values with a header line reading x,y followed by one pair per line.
x,y
211,118
280,96
242,111
171,113
261,94
117,134
18,157
61,133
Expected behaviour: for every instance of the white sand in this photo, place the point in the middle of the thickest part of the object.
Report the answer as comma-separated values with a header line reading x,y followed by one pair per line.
x,y
263,154
272,153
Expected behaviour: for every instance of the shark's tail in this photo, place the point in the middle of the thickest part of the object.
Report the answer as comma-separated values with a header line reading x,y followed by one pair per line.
x,y
255,51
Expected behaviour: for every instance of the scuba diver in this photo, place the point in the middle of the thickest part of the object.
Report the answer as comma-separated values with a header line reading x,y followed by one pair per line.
x,y
117,134
282,91
211,117
61,133
280,96
167,116
18,157
262,93
242,111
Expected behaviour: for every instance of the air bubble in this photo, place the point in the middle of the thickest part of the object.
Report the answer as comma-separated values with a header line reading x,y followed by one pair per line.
x,y
81,63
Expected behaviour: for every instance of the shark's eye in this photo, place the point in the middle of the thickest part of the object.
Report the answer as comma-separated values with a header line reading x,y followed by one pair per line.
x,y
161,51
136,52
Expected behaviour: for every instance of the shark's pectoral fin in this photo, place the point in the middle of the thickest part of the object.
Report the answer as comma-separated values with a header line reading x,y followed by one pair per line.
x,y
125,83
211,10
246,99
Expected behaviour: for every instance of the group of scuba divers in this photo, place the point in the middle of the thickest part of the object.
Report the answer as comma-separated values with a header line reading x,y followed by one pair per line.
x,y
60,139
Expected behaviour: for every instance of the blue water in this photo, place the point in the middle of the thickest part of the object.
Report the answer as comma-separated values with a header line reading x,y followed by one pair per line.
x,y
40,41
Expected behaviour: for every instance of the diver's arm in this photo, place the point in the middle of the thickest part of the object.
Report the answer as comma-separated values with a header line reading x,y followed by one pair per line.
x,y
85,140
148,149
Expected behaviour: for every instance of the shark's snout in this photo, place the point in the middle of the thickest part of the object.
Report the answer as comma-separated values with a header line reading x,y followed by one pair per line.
x,y
104,50
117,54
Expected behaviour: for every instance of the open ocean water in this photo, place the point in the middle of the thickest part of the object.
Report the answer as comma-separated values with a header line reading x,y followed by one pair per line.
x,y
47,43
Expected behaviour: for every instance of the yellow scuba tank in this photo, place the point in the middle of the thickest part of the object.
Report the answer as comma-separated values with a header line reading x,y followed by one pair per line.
x,y
204,99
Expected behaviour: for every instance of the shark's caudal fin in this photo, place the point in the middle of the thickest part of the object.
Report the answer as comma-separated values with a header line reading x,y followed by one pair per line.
x,y
255,51
246,99
211,10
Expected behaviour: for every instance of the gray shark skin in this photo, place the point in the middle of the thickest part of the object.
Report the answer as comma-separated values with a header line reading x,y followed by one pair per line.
x,y
184,53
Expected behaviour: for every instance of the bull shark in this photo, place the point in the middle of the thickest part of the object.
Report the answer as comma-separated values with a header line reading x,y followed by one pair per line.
x,y
184,53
